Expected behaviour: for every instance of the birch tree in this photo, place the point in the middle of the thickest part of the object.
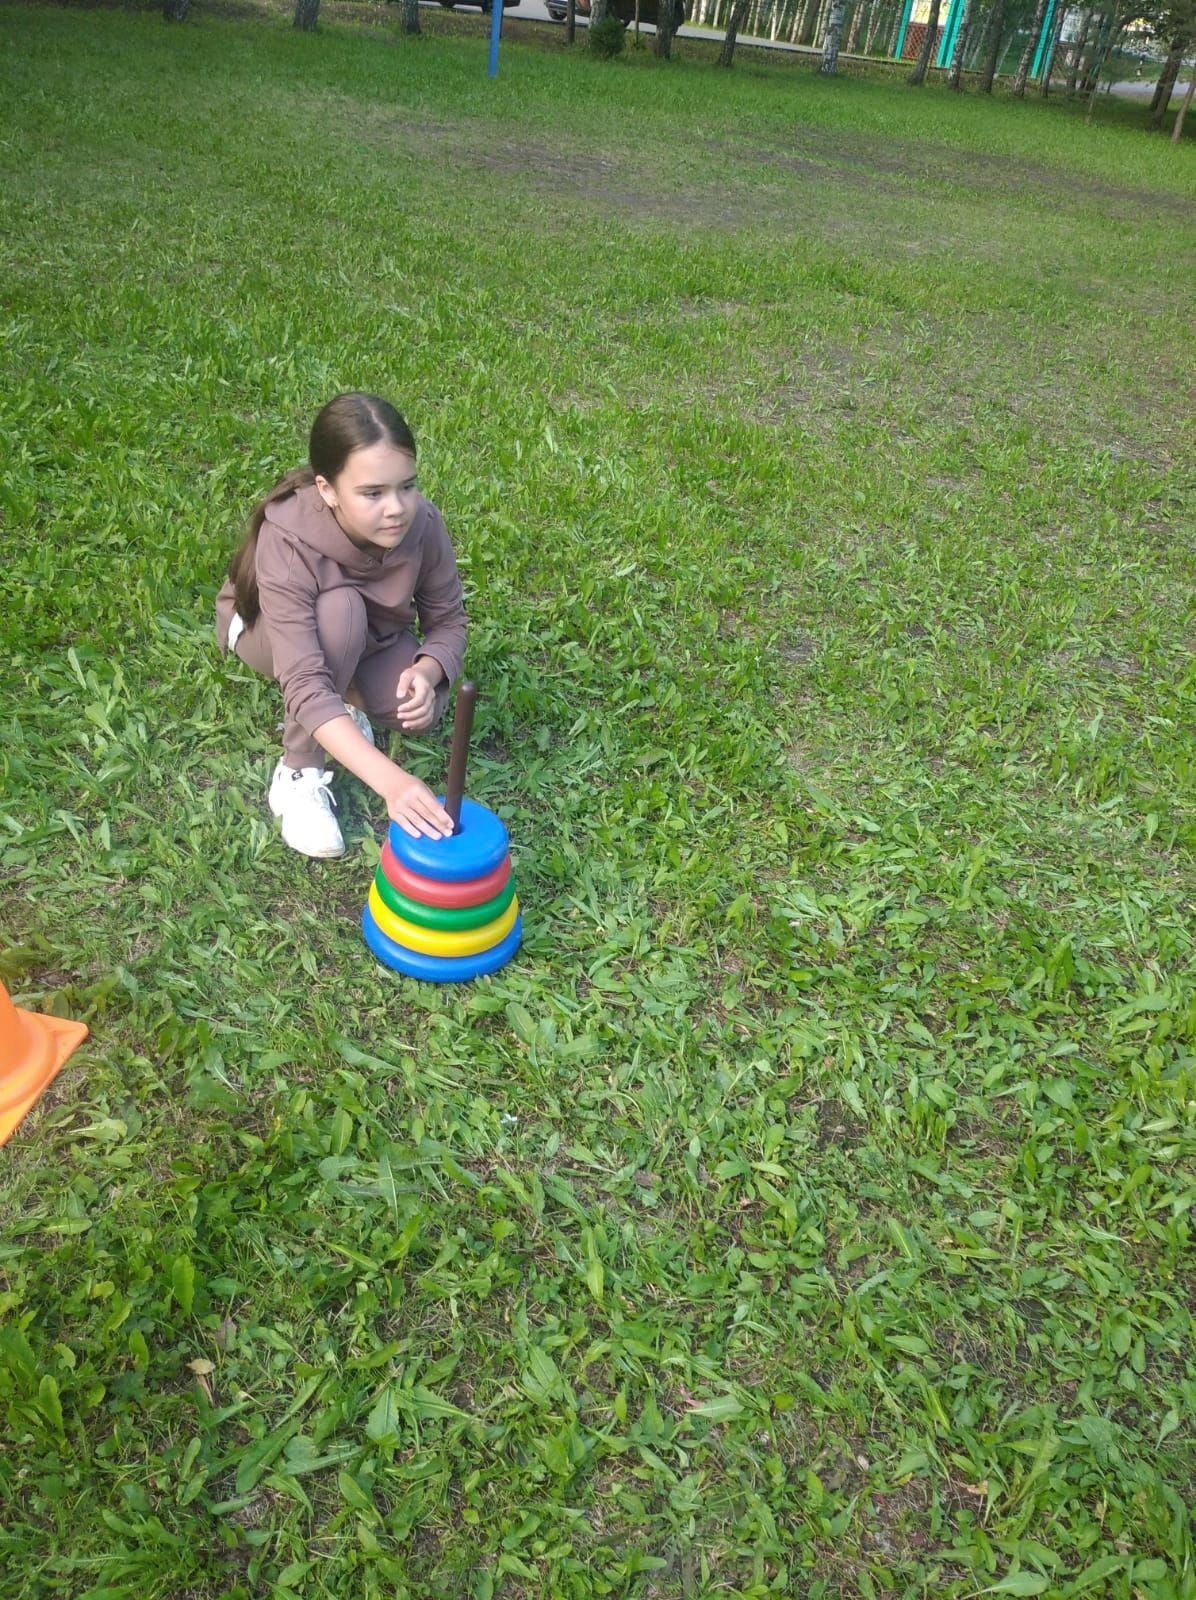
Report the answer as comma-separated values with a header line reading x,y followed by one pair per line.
x,y
1073,70
1108,37
874,23
897,15
1023,66
830,44
857,26
809,21
954,77
918,75
1183,107
1044,76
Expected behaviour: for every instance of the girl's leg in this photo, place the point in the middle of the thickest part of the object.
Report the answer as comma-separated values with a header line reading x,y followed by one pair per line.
x,y
377,678
341,626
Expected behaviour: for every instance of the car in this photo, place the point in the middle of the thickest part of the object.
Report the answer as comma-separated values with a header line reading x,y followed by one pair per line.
x,y
649,10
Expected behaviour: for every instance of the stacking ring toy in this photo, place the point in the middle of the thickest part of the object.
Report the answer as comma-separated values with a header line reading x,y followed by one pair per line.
x,y
431,893
434,941
477,847
439,969
445,910
425,916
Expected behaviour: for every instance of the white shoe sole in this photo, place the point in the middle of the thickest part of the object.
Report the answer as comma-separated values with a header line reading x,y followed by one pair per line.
x,y
332,854
315,855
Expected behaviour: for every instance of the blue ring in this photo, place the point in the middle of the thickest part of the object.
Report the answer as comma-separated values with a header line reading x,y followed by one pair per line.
x,y
439,969
478,846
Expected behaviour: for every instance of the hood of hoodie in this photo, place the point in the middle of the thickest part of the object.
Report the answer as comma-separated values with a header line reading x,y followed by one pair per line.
x,y
305,517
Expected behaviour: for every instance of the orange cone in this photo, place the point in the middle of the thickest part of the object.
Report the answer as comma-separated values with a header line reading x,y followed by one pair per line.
x,y
33,1049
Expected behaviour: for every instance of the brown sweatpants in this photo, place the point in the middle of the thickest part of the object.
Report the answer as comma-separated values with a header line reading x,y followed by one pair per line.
x,y
362,667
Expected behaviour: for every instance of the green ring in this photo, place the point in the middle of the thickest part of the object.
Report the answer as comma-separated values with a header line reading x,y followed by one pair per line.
x,y
441,917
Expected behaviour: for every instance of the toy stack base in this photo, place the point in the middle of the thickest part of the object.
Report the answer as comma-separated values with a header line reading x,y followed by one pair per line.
x,y
445,910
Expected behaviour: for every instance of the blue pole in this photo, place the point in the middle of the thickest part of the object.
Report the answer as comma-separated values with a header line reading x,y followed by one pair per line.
x,y
495,33
1044,39
905,15
950,29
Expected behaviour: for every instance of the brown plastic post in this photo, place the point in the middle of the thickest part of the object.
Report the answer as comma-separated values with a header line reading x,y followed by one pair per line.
x,y
467,698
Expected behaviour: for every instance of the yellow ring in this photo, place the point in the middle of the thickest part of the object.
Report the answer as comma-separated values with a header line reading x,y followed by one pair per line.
x,y
431,941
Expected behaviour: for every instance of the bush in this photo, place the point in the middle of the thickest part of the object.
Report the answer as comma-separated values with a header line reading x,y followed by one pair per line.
x,y
608,37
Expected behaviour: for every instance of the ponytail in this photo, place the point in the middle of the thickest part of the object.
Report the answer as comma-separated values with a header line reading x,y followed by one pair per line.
x,y
242,569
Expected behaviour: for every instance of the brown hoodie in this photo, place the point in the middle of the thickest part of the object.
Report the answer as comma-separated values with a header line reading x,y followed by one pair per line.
x,y
302,552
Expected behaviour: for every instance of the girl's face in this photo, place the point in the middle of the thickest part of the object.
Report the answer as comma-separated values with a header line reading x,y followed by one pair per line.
x,y
373,496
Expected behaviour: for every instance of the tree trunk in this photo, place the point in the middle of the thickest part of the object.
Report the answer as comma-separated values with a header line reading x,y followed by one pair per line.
x,y
996,34
409,17
666,27
1108,36
1023,66
857,23
1096,53
1183,107
734,22
570,21
637,22
809,21
898,13
176,10
1044,76
1073,69
1165,87
961,39
830,45
598,11
918,75
874,21
884,15
307,14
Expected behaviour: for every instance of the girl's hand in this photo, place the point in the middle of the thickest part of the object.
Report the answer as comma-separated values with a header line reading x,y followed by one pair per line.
x,y
417,700
416,809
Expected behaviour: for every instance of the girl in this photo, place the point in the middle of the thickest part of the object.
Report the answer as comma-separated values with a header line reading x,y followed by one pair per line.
x,y
340,559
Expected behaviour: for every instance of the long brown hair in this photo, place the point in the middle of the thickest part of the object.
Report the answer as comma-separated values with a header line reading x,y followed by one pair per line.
x,y
349,422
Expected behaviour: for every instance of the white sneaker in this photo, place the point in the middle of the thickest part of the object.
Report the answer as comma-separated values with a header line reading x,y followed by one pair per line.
x,y
362,721
299,795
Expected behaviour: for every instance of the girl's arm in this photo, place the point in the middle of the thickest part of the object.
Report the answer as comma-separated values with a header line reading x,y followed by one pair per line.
x,y
409,802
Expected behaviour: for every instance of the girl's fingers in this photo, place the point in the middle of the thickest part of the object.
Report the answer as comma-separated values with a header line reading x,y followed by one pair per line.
x,y
423,815
438,823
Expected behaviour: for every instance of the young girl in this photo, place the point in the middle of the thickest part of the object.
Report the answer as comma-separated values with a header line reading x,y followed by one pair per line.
x,y
340,559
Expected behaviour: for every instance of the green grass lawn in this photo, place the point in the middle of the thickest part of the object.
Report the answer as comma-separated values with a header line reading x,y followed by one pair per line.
x,y
807,1210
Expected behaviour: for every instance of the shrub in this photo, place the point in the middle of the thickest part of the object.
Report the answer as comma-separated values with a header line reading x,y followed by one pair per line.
x,y
608,37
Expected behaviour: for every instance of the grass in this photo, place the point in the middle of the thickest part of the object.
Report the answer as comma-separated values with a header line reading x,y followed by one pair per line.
x,y
807,1210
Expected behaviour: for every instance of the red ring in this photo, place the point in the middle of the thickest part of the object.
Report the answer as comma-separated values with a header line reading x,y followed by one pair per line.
x,y
430,892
